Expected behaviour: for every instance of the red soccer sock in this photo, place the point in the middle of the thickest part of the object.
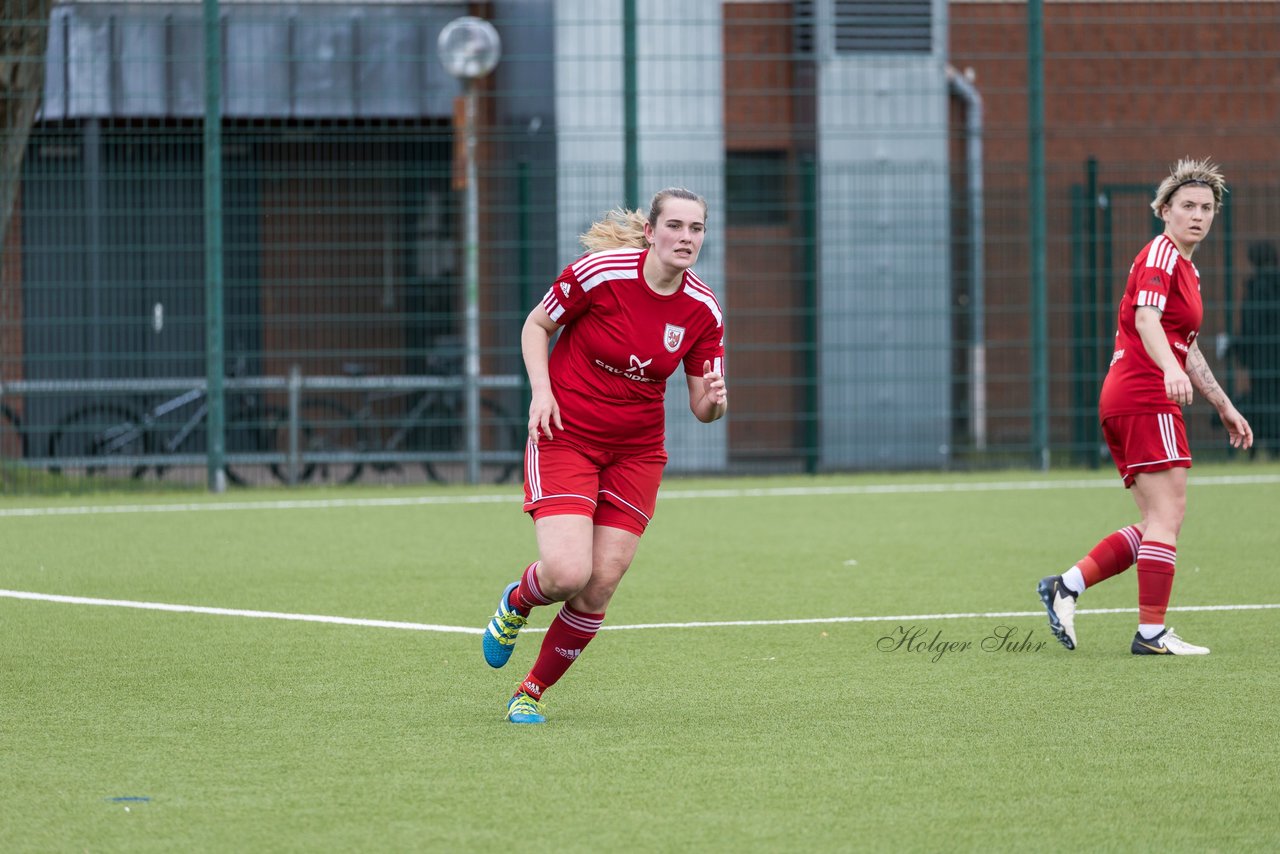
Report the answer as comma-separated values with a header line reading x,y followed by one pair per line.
x,y
528,595
1156,563
1112,556
567,637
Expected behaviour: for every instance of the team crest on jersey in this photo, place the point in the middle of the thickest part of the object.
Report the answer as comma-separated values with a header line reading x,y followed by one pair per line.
x,y
672,338
564,287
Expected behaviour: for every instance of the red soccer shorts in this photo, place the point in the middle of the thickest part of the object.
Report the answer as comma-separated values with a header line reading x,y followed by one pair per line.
x,y
616,489
1147,442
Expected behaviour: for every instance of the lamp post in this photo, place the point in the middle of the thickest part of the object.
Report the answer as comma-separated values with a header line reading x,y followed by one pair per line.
x,y
469,49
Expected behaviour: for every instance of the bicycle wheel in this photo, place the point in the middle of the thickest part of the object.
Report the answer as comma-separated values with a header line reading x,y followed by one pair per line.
x,y
103,430
13,442
327,427
257,430
499,431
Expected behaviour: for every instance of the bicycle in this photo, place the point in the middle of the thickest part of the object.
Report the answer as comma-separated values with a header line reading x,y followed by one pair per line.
x,y
170,427
434,421
13,439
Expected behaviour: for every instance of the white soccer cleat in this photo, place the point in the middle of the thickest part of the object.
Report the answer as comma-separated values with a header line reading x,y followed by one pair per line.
x,y
1165,643
1060,602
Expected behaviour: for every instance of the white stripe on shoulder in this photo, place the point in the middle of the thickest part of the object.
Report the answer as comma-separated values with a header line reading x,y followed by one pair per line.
x,y
1152,250
584,266
694,287
1162,255
607,275
552,306
708,300
1162,260
600,267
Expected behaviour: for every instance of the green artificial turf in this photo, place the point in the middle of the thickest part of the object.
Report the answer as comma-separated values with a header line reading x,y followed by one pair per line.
x,y
259,734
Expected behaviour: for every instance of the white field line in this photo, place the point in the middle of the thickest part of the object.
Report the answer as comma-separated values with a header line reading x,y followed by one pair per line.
x,y
665,495
469,630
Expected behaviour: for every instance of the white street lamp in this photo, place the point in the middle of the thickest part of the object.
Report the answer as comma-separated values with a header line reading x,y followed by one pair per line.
x,y
469,49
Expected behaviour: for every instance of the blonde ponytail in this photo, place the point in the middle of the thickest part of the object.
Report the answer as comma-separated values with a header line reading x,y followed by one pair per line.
x,y
619,229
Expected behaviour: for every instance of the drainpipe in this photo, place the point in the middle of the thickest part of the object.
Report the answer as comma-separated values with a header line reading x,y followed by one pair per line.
x,y
962,86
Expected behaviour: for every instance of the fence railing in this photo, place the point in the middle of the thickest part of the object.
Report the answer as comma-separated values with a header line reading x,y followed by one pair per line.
x,y
329,428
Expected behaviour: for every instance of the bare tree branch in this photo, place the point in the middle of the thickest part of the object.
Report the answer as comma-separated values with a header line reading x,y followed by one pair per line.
x,y
24,34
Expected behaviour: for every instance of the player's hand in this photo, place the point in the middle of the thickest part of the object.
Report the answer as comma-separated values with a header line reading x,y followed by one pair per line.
x,y
1238,429
713,386
543,412
1177,386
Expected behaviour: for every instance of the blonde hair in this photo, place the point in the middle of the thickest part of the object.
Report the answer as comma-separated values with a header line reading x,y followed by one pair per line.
x,y
1196,172
621,228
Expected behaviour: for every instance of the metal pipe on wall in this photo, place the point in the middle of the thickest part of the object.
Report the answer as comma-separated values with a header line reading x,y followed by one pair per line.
x,y
962,85
214,367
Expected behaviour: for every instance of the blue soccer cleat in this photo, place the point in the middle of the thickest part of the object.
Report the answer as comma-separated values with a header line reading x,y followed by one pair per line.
x,y
523,709
500,634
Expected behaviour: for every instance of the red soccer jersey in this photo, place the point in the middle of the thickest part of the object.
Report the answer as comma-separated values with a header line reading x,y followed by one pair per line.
x,y
620,343
1161,278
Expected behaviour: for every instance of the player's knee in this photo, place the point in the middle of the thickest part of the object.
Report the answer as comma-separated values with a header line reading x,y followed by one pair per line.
x,y
1165,517
562,578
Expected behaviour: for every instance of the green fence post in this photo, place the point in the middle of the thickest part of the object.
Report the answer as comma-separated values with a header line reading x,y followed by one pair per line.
x,y
630,120
809,232
213,245
524,266
1228,288
1081,331
1039,319
1099,339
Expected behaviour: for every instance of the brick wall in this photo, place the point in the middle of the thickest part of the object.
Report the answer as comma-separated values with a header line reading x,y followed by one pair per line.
x,y
1136,86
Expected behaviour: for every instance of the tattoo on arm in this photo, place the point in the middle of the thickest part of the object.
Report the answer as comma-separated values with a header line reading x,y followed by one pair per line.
x,y
1202,378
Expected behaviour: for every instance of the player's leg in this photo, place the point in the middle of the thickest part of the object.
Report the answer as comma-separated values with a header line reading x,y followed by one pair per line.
x,y
561,482
1163,497
581,616
1111,556
565,543
628,494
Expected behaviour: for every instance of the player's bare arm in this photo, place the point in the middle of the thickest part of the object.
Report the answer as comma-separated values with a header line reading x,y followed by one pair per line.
x,y
535,338
1241,434
1177,385
708,395
1202,378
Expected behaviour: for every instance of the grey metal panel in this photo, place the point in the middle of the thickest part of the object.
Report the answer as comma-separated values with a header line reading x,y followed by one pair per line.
x,y
186,63
89,54
142,65
279,60
389,73
324,63
589,144
54,105
681,143
256,68
885,268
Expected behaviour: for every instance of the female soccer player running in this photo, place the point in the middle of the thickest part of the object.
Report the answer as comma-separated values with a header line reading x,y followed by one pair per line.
x,y
632,311
1157,362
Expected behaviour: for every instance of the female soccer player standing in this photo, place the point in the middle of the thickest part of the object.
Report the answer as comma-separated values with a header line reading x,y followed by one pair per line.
x,y
632,311
1156,363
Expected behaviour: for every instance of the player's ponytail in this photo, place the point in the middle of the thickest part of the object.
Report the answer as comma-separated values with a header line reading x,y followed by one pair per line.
x,y
619,229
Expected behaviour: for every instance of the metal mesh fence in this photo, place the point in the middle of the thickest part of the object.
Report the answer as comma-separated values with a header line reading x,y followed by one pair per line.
x,y
870,183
